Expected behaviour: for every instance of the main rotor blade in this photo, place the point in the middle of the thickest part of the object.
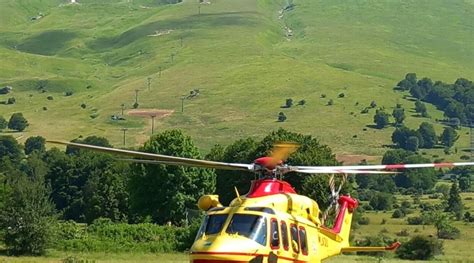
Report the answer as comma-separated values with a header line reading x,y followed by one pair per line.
x,y
162,159
342,171
385,167
281,151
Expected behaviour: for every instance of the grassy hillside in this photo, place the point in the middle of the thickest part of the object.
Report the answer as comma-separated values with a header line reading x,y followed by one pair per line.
x,y
241,57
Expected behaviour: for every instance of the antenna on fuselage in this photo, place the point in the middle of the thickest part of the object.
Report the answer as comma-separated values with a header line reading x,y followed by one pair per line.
x,y
237,193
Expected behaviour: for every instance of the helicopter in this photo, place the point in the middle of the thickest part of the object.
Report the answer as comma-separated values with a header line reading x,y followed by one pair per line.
x,y
271,223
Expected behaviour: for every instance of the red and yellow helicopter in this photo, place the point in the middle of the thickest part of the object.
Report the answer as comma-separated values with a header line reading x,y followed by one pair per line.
x,y
271,223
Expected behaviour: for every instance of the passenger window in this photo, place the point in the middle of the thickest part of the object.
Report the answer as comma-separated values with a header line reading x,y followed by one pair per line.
x,y
274,234
284,235
294,238
304,241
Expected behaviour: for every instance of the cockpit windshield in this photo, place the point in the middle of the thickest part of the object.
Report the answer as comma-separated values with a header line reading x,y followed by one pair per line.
x,y
253,227
212,224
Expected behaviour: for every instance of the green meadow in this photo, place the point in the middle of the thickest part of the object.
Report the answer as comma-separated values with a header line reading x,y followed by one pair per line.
x,y
458,250
241,57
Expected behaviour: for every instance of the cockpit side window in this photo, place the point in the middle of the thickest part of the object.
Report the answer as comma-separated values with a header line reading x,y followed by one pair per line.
x,y
294,238
274,234
304,241
284,235
253,227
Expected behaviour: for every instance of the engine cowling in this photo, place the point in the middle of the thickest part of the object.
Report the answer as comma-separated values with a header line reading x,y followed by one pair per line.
x,y
207,202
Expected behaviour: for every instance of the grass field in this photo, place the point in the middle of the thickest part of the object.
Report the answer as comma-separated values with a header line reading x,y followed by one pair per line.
x,y
458,250
239,57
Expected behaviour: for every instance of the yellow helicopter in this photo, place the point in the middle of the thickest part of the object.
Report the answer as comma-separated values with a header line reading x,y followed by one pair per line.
x,y
271,223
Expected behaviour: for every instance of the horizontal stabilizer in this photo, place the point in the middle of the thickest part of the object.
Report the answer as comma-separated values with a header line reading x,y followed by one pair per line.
x,y
392,247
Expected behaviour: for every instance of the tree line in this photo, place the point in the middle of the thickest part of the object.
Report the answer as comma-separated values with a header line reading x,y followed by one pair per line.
x,y
456,100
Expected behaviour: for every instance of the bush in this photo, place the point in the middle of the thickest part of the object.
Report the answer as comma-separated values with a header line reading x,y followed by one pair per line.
x,y
398,213
11,100
68,93
3,123
449,232
420,247
341,95
50,98
104,236
281,117
17,122
415,220
83,105
363,220
370,241
403,233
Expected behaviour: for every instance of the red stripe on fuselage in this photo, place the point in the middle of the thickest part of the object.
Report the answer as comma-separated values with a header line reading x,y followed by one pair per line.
x,y
237,254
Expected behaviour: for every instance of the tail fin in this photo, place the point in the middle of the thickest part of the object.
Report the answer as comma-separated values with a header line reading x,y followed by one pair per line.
x,y
342,225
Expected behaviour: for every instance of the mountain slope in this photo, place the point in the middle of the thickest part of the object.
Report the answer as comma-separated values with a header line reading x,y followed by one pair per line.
x,y
243,56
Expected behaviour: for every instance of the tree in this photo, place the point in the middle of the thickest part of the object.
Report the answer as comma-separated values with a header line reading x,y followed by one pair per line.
x,y
10,149
17,122
3,123
28,218
421,108
454,201
90,140
106,195
399,115
449,137
421,179
240,151
281,117
381,201
289,103
428,134
36,143
420,248
381,119
464,183
165,191
412,143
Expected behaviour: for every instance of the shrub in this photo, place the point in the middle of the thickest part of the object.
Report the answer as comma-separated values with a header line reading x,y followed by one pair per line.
x,y
449,232
281,117
83,105
289,103
363,220
341,95
50,98
420,247
3,123
330,102
398,213
68,93
369,241
384,221
323,96
415,220
403,233
11,100
104,236
135,105
17,122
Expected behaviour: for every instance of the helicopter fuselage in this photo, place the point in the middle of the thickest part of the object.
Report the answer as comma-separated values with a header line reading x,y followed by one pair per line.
x,y
270,224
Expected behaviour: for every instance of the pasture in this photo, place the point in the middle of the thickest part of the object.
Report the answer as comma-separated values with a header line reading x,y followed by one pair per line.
x,y
241,58
458,250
